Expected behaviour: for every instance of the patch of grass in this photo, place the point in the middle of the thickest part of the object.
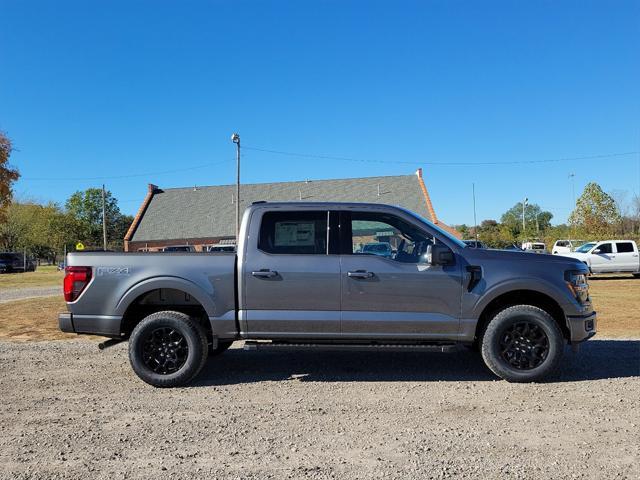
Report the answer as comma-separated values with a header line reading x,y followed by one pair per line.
x,y
45,276
617,301
32,319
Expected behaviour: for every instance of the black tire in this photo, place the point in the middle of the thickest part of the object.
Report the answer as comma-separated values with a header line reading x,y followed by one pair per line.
x,y
223,346
636,275
522,343
165,359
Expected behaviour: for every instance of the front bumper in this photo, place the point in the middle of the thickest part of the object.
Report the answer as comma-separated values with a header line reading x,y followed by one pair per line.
x,y
582,327
104,325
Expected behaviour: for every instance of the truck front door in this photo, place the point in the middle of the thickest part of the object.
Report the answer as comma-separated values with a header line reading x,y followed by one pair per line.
x,y
391,293
290,284
603,258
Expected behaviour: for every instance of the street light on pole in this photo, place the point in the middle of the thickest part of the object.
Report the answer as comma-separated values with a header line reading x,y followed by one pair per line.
x,y
235,138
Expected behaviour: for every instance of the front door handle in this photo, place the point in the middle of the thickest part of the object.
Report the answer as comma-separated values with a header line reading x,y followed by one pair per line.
x,y
360,274
264,273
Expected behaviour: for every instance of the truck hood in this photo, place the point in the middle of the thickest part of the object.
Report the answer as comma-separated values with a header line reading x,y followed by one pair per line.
x,y
478,255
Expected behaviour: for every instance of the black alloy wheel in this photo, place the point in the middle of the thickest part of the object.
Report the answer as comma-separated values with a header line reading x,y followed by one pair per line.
x,y
524,345
165,350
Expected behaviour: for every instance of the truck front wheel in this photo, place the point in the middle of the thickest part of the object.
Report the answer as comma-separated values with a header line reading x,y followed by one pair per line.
x,y
522,343
168,349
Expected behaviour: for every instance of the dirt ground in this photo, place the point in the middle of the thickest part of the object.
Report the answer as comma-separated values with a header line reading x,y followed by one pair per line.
x,y
70,411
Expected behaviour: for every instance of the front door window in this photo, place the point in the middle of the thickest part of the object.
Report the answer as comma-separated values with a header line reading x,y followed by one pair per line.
x,y
387,236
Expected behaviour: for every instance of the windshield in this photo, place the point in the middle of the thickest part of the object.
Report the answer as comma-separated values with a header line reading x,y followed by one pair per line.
x,y
586,247
444,233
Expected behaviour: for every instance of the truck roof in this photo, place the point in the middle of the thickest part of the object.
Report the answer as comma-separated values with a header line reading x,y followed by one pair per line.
x,y
325,204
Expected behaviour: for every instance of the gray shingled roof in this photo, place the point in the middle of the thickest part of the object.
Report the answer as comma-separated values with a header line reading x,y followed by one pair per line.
x,y
182,213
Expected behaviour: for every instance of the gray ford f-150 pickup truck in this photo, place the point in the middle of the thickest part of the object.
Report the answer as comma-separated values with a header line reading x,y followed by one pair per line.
x,y
302,279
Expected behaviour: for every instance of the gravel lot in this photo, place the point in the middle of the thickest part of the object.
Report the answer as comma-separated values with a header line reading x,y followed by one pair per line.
x,y
11,294
70,411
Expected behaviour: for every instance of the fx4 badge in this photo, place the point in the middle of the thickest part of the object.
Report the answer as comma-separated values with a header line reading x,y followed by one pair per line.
x,y
120,271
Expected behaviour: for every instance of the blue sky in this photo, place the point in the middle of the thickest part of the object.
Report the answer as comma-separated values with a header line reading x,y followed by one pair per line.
x,y
104,89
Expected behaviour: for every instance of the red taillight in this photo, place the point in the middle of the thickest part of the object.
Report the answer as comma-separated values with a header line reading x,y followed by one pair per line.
x,y
75,279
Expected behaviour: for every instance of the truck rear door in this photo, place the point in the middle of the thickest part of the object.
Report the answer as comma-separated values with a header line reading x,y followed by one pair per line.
x,y
290,284
627,257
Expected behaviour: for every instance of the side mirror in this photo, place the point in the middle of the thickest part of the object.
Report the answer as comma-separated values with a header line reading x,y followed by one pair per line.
x,y
596,251
439,255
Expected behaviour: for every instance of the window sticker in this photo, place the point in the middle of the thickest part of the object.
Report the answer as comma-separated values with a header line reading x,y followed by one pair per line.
x,y
292,234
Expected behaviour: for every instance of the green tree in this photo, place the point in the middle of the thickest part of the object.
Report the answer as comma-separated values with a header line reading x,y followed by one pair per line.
x,y
464,230
86,209
494,234
8,175
596,212
118,230
536,220
41,230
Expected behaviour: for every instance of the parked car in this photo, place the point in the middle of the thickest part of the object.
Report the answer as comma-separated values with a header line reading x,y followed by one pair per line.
x,y
609,256
17,262
221,248
296,283
179,248
474,244
535,247
566,246
381,249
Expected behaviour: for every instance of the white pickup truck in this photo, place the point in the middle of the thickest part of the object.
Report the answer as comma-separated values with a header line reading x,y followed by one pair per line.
x,y
609,256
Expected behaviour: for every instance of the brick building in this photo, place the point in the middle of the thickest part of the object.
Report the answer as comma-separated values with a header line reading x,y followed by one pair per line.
x,y
202,216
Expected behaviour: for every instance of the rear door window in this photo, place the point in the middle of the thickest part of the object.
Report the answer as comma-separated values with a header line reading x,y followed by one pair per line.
x,y
624,247
294,233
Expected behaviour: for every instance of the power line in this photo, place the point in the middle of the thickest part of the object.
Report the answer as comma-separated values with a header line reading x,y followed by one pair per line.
x,y
133,175
448,164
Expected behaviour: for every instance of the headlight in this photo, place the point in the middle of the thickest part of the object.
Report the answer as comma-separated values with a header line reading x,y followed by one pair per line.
x,y
578,285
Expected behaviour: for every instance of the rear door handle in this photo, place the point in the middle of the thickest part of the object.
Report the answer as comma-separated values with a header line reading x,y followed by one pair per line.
x,y
360,274
264,273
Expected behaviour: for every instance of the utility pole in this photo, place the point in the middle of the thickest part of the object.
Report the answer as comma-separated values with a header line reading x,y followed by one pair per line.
x,y
572,177
235,138
475,221
104,221
524,205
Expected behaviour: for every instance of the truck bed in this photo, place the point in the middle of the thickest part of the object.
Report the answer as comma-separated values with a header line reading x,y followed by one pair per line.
x,y
204,280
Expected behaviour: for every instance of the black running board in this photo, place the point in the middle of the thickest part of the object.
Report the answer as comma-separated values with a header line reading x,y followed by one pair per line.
x,y
393,347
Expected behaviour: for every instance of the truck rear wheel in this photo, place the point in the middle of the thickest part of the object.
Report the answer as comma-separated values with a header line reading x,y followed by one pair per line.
x,y
522,343
168,349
